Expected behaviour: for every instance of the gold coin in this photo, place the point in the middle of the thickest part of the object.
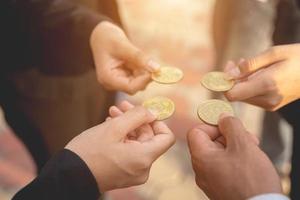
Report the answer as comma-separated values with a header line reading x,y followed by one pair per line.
x,y
162,106
168,75
210,110
216,81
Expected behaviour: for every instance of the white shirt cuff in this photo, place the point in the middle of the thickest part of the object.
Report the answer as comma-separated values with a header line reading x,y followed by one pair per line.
x,y
270,197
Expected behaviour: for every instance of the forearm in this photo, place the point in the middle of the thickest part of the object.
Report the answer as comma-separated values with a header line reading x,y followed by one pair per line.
x,y
64,177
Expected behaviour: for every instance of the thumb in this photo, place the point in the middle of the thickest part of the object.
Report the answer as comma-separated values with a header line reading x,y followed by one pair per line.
x,y
265,59
198,142
233,131
131,120
130,53
163,139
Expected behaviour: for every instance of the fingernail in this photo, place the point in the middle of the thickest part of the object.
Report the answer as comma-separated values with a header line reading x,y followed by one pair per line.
x,y
234,72
154,65
115,109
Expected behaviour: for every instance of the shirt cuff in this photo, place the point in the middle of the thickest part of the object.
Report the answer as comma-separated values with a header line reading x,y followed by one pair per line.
x,y
269,197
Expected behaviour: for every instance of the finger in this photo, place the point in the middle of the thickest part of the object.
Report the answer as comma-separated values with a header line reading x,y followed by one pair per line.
x,y
220,142
229,65
268,102
139,83
211,131
161,142
199,142
142,133
125,106
114,111
160,127
239,127
133,55
131,120
108,118
233,131
232,70
130,84
117,82
265,59
248,89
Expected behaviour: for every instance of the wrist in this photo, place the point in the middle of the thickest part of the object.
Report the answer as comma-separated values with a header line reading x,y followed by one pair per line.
x,y
101,29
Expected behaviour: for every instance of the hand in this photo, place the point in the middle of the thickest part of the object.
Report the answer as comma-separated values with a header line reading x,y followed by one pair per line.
x,y
228,163
270,80
115,158
119,64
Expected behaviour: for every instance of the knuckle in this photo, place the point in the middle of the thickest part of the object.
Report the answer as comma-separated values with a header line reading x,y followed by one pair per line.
x,y
273,102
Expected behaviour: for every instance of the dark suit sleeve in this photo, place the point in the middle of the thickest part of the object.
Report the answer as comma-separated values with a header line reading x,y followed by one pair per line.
x,y
64,177
58,33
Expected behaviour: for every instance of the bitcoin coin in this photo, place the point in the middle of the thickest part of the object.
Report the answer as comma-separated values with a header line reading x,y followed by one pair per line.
x,y
210,110
161,106
216,81
168,75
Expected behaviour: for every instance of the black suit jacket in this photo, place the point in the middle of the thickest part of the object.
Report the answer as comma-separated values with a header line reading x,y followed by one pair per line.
x,y
50,34
65,177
